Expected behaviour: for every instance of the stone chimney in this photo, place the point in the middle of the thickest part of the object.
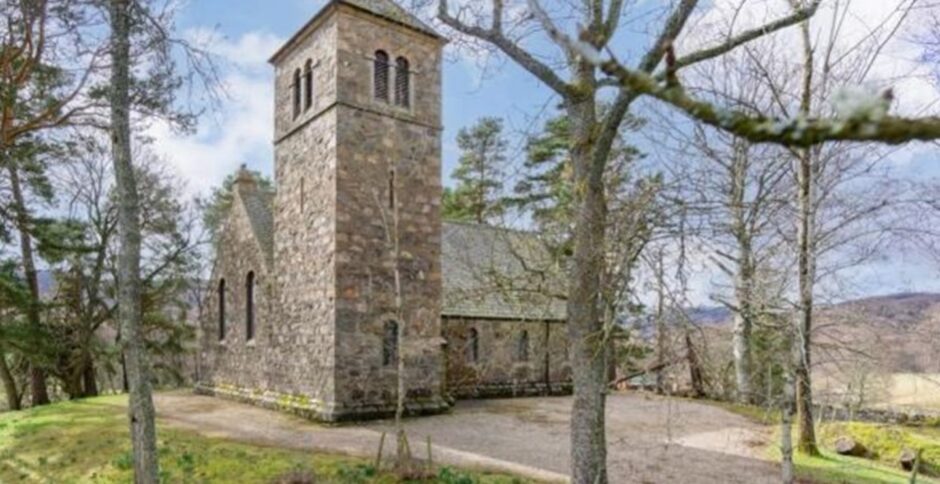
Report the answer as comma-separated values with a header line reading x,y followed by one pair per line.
x,y
245,182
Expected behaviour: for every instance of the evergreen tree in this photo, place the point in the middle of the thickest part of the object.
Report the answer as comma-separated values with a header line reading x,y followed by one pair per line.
x,y
216,207
546,189
479,174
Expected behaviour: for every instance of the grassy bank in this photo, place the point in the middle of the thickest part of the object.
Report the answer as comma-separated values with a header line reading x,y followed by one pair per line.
x,y
87,441
884,444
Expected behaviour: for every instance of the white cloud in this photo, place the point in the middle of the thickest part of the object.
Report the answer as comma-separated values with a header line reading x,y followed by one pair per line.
x,y
242,131
857,27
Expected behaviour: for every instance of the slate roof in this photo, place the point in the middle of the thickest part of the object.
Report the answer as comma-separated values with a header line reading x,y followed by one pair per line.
x,y
488,272
258,205
493,273
387,9
390,10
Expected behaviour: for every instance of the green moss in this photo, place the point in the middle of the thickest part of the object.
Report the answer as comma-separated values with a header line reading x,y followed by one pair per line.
x,y
884,442
87,442
834,468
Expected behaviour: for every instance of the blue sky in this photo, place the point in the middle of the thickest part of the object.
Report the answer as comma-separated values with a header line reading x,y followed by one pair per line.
x,y
505,91
247,32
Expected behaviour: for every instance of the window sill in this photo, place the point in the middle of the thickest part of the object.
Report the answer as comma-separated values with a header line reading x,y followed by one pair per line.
x,y
392,106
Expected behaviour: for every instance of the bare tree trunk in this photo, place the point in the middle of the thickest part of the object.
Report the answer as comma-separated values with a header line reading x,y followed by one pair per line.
x,y
660,324
804,317
9,383
37,377
140,404
696,376
807,264
744,273
741,347
585,322
786,431
403,450
743,327
89,379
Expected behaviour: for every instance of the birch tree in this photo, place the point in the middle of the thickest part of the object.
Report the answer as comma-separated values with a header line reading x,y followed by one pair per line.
x,y
576,75
738,191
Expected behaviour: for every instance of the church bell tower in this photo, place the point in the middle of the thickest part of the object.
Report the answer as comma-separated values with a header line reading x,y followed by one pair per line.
x,y
357,217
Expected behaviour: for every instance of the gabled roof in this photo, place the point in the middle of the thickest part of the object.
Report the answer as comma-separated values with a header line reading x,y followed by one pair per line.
x,y
487,272
258,206
390,10
493,273
386,9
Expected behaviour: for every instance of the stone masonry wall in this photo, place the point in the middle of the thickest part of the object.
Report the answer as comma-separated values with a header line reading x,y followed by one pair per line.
x,y
319,47
232,361
304,222
498,370
382,146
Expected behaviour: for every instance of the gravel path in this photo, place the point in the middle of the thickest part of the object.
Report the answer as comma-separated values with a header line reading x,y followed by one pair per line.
x,y
650,439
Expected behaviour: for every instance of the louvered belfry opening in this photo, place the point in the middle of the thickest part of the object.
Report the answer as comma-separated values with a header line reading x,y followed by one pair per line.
x,y
296,92
308,85
402,82
380,75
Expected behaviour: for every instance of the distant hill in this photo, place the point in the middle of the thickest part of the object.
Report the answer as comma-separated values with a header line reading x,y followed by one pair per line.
x,y
709,315
896,332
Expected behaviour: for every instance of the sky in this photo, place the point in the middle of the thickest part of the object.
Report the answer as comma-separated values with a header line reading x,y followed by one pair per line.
x,y
245,33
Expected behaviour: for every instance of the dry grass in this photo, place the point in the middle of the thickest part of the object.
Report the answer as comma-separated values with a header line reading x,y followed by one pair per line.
x,y
914,390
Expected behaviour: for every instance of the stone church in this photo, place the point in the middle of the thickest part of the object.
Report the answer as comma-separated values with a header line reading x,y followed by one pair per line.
x,y
318,287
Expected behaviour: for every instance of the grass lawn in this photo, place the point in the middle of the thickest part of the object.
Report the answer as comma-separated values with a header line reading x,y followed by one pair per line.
x,y
884,444
87,442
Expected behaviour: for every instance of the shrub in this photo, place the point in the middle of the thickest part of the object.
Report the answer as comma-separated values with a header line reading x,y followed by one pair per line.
x,y
359,473
450,476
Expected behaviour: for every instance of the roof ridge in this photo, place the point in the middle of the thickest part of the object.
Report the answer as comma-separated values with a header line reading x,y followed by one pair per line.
x,y
406,18
493,228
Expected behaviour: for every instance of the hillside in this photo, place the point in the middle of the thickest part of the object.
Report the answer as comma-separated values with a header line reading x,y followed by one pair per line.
x,y
881,350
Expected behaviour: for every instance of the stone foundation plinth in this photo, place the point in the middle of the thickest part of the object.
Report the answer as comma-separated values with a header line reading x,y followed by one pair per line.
x,y
318,410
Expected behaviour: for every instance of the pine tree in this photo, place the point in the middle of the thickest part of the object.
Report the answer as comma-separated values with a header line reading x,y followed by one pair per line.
x,y
479,174
216,207
545,191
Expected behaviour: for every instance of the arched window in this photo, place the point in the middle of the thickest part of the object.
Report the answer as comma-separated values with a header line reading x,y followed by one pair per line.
x,y
250,306
296,88
473,346
390,344
308,85
221,309
380,76
391,189
402,82
522,347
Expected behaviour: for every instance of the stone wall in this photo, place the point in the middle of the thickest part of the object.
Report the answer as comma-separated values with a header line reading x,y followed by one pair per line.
x,y
388,161
317,45
334,285
499,369
230,359
877,415
326,278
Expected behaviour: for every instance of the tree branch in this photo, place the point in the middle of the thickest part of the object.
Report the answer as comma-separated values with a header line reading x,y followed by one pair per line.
x,y
747,36
495,36
800,131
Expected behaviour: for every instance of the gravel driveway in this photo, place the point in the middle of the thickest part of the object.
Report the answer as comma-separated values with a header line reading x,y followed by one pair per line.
x,y
650,439
644,435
